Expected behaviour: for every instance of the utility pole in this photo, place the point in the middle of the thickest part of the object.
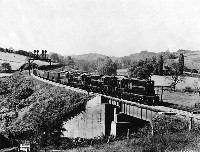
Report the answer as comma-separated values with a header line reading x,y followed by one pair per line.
x,y
37,57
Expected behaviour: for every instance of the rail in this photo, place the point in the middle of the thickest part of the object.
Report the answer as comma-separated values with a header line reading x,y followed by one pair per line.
x,y
117,101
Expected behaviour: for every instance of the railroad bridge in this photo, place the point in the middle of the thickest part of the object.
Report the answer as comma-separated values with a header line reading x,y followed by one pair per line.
x,y
123,111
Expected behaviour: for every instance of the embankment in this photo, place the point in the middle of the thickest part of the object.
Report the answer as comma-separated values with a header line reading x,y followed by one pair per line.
x,y
34,110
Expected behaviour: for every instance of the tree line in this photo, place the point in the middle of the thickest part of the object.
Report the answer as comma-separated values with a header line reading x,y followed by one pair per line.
x,y
21,52
142,69
141,65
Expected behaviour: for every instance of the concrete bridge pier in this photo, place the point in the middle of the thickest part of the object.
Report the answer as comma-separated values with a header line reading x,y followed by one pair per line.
x,y
119,127
124,118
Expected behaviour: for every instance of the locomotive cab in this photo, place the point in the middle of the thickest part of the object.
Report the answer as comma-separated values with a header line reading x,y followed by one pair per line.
x,y
109,85
96,83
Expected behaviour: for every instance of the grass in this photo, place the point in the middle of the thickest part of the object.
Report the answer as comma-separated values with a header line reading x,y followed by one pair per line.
x,y
148,143
164,81
179,97
35,107
43,105
17,60
192,60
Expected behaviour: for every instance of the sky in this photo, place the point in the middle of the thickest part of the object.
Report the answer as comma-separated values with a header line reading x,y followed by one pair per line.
x,y
109,27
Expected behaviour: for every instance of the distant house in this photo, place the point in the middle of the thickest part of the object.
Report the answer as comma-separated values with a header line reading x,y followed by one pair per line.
x,y
11,50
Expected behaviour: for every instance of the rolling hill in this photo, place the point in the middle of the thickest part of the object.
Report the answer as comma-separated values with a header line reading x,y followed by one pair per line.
x,y
192,58
16,60
89,56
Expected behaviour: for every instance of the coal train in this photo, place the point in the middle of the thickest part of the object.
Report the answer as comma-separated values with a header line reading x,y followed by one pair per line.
x,y
131,89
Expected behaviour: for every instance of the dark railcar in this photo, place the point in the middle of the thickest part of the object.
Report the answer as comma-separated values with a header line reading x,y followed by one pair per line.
x,y
135,90
109,85
96,84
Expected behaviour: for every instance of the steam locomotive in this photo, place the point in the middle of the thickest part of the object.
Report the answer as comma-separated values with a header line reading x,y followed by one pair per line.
x,y
132,89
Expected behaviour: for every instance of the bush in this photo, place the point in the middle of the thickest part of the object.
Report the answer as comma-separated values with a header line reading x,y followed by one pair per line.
x,y
25,66
194,71
6,66
47,107
188,89
24,93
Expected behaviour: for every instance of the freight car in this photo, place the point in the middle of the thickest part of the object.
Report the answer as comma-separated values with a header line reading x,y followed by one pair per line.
x,y
131,89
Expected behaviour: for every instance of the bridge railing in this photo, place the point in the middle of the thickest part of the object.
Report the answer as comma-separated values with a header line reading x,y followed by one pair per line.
x,y
117,102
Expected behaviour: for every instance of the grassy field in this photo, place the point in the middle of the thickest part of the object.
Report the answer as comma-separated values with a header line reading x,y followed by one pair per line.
x,y
16,60
165,81
179,96
192,60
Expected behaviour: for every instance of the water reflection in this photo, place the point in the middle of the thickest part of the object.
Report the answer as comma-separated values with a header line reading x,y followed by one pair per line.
x,y
88,124
96,121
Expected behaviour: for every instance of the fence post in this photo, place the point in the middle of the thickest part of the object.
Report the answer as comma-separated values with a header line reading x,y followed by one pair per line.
x,y
190,123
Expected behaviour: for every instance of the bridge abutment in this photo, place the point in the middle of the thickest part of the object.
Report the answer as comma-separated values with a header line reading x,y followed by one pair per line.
x,y
122,125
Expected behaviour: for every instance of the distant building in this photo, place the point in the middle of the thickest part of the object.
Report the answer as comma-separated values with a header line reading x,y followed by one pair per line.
x,y
11,49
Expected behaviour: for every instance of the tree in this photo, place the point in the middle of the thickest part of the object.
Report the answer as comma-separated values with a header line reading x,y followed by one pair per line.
x,y
54,57
69,61
174,75
125,62
142,73
6,66
181,63
141,70
83,65
119,66
108,67
160,65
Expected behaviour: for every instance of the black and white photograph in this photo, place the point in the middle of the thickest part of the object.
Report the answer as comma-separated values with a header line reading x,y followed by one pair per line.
x,y
99,76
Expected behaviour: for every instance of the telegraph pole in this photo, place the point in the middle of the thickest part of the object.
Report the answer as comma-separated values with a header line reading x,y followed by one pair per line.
x,y
37,57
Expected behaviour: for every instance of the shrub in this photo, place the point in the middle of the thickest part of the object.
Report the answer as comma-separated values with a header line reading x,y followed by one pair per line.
x,y
194,71
6,66
24,93
188,89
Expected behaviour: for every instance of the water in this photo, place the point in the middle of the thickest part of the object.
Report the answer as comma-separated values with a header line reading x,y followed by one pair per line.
x,y
96,121
90,123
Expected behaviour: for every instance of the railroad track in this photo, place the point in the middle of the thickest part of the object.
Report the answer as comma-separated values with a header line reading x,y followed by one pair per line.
x,y
165,107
